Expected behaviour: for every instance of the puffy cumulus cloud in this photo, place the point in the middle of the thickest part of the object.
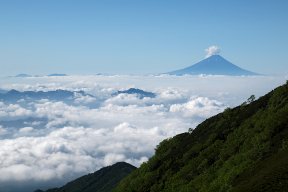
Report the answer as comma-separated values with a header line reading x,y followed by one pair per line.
x,y
26,129
199,106
12,111
126,99
74,150
165,97
77,139
3,131
83,99
44,142
212,50
173,95
102,86
40,158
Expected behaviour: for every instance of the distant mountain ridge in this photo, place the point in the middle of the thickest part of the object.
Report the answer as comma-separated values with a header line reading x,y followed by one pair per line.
x,y
138,92
213,65
57,75
14,95
23,75
103,180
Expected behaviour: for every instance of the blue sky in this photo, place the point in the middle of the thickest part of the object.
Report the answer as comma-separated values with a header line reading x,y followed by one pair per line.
x,y
140,36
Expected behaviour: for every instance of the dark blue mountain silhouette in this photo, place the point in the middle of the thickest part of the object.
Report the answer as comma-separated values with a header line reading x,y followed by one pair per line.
x,y
23,75
56,75
58,95
140,93
214,65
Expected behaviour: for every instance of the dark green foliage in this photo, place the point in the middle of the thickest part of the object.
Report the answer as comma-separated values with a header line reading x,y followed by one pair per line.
x,y
251,99
241,149
103,180
269,175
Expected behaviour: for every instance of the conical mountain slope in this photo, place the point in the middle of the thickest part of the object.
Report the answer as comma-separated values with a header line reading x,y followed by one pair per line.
x,y
214,65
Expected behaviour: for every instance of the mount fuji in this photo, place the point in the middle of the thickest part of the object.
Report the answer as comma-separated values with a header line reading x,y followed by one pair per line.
x,y
213,65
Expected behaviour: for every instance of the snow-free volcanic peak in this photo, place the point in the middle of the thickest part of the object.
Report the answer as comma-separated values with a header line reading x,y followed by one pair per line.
x,y
213,65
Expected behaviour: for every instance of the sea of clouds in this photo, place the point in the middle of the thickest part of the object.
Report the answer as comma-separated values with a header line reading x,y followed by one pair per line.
x,y
45,143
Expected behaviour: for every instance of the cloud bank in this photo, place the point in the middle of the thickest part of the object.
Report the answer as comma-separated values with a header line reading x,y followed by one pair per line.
x,y
45,143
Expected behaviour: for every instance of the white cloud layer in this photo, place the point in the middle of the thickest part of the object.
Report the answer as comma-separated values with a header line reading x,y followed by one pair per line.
x,y
46,142
212,50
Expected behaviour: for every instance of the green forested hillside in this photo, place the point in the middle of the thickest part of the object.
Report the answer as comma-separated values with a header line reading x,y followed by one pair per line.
x,y
103,180
241,149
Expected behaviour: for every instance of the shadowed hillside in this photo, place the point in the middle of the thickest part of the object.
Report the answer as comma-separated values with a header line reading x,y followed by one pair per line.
x,y
103,180
241,149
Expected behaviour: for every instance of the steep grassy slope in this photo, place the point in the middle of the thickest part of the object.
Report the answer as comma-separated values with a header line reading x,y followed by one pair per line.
x,y
103,180
241,149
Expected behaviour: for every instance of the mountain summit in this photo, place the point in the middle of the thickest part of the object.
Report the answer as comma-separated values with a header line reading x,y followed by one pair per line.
x,y
213,65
